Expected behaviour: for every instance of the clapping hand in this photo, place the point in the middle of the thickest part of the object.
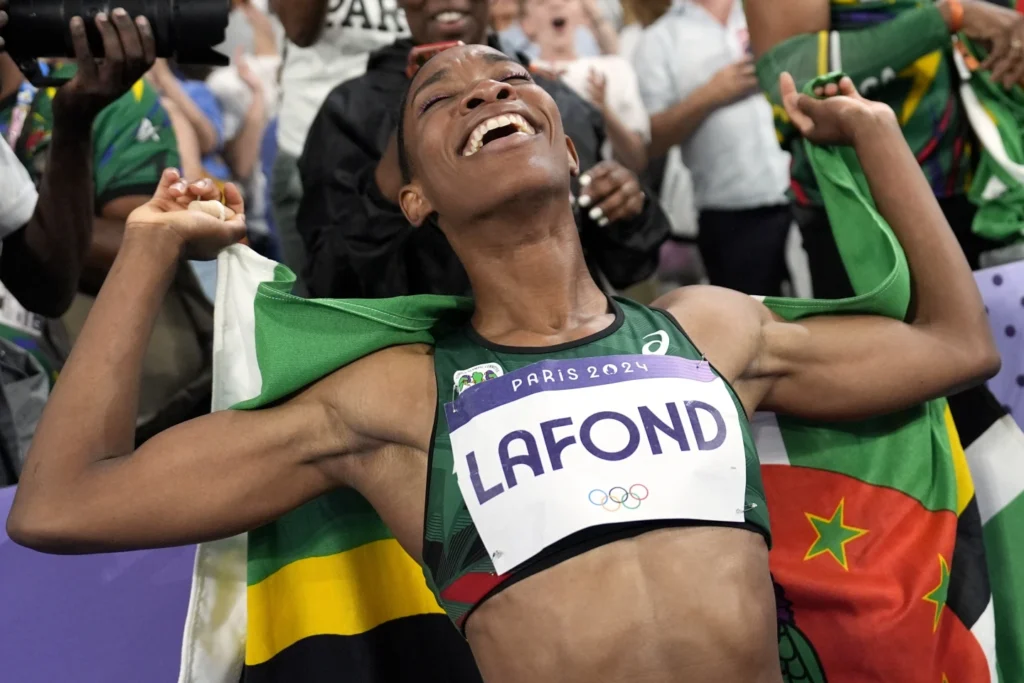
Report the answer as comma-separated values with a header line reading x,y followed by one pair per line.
x,y
597,89
611,192
3,22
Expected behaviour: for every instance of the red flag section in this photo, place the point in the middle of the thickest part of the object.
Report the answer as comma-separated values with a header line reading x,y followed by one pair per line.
x,y
863,576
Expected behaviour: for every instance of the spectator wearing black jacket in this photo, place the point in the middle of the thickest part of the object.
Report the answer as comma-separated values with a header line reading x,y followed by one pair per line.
x,y
359,243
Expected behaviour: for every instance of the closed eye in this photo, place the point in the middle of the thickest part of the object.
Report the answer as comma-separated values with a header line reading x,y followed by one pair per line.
x,y
432,101
517,76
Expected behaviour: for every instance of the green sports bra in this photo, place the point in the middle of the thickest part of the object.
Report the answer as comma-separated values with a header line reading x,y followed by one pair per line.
x,y
457,564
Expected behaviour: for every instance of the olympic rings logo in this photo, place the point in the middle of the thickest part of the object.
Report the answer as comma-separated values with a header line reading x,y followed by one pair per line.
x,y
619,497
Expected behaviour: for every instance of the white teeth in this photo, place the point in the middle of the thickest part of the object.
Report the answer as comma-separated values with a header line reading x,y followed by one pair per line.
x,y
448,17
476,138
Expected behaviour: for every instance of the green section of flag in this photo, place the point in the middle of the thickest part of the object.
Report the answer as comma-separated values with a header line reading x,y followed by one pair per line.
x,y
1004,550
913,457
299,341
334,523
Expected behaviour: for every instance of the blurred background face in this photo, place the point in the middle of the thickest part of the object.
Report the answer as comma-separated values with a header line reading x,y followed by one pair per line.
x,y
437,21
552,23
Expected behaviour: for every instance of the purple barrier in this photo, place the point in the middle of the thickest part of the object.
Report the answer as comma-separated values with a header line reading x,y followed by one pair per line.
x,y
91,619
1002,288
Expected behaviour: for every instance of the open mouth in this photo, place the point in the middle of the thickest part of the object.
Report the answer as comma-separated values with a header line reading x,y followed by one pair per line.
x,y
496,128
449,17
558,22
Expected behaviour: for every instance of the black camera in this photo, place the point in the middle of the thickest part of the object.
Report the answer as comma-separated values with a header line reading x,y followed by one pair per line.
x,y
185,30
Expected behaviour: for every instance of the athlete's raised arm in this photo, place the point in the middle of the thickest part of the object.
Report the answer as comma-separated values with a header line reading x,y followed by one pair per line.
x,y
849,367
84,489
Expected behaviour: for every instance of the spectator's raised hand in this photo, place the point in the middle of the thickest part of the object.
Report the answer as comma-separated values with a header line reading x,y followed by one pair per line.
x,y
837,116
611,192
596,88
129,49
248,76
192,212
159,75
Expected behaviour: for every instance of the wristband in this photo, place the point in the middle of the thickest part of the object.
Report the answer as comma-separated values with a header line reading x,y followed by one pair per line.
x,y
956,16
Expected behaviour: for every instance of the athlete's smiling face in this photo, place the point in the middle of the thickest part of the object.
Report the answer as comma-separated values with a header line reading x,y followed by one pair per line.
x,y
481,135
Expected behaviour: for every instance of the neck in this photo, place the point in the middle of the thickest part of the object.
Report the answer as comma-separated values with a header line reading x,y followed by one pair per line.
x,y
531,286
11,77
719,9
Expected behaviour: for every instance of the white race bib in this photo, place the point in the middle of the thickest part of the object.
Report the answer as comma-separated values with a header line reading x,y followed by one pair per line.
x,y
565,445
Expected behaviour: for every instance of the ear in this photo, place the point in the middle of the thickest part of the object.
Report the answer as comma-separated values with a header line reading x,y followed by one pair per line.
x,y
414,204
574,158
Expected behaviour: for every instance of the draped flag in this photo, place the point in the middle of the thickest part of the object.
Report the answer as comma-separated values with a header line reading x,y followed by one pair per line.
x,y
879,564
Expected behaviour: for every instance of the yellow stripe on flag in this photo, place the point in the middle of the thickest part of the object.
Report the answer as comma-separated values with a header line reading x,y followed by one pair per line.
x,y
964,483
822,53
343,594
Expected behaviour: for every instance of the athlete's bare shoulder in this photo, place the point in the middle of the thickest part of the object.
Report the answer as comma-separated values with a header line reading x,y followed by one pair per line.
x,y
388,396
725,325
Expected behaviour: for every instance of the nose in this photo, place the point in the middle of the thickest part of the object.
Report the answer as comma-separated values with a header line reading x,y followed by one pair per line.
x,y
484,92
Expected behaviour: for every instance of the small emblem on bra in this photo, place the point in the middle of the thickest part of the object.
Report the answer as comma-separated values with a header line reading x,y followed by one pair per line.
x,y
477,374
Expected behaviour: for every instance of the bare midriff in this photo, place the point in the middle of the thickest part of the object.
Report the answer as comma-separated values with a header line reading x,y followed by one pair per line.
x,y
693,605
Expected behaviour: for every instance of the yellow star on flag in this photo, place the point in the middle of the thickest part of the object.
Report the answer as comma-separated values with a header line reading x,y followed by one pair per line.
x,y
832,535
938,595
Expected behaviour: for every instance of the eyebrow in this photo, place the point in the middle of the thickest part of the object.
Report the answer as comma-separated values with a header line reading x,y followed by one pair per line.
x,y
441,74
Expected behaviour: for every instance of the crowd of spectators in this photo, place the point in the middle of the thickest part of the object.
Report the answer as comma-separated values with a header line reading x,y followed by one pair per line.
x,y
687,173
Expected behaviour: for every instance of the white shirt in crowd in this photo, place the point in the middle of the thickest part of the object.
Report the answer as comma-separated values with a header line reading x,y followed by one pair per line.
x,y
621,90
17,192
734,157
353,29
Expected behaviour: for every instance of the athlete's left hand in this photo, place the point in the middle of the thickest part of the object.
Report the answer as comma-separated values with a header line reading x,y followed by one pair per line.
x,y
191,214
611,192
837,115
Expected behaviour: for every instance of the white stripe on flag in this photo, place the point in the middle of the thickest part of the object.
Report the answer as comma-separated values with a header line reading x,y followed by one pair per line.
x,y
771,450
996,459
213,643
984,631
236,375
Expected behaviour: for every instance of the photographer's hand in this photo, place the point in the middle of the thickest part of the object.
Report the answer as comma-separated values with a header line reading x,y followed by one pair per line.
x,y
129,51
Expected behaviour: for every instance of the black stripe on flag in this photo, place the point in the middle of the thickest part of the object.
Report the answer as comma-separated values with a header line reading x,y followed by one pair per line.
x,y
424,648
974,411
969,590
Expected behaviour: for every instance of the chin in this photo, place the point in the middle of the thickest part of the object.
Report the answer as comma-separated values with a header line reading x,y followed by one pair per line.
x,y
523,191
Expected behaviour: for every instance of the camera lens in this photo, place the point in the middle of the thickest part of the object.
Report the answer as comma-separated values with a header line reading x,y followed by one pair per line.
x,y
185,31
